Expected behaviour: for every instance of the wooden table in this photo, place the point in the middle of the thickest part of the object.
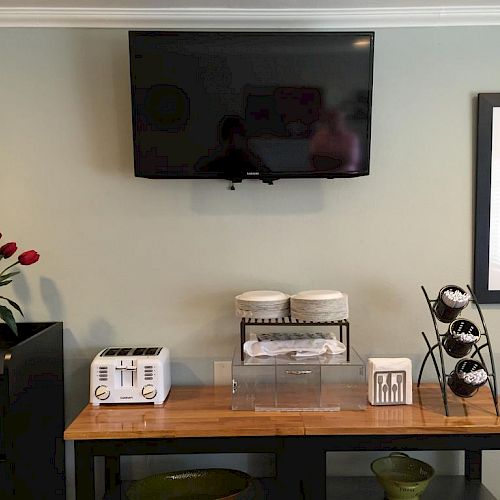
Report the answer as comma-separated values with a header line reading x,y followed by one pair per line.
x,y
200,420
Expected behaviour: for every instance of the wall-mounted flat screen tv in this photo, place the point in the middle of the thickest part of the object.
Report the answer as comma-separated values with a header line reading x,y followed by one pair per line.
x,y
236,105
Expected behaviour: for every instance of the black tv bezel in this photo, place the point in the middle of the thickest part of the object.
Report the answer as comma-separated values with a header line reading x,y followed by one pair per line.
x,y
264,178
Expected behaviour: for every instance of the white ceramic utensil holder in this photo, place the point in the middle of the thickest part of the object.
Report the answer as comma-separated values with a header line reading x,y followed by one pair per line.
x,y
389,381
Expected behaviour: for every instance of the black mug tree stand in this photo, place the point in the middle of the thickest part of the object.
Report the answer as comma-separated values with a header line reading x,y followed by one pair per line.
x,y
484,341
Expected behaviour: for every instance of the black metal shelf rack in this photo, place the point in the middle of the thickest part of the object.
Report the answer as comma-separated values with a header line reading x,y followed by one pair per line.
x,y
343,326
483,342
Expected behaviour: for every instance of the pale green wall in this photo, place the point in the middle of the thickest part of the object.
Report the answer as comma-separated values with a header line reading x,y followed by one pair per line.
x,y
127,260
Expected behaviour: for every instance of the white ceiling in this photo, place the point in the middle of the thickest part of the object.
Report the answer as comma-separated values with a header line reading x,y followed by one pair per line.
x,y
242,4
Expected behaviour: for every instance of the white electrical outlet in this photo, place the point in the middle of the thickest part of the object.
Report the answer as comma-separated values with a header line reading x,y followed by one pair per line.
x,y
222,373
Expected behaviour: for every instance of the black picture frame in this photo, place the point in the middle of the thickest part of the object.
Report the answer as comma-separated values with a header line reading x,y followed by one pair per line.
x,y
485,292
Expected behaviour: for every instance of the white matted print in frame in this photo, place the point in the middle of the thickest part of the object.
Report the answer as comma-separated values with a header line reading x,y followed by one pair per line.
x,y
487,230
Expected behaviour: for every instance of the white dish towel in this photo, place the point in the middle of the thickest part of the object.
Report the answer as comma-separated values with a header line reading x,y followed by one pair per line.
x,y
299,348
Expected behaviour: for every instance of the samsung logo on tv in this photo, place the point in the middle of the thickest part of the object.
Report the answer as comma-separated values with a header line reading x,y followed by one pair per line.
x,y
252,173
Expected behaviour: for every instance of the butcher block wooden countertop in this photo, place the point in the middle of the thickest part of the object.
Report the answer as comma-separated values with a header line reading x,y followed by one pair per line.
x,y
205,411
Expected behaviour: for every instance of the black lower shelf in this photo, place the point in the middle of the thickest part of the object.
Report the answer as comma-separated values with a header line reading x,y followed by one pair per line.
x,y
441,487
367,488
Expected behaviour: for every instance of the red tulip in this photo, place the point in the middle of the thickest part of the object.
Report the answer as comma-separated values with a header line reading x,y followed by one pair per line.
x,y
29,257
8,249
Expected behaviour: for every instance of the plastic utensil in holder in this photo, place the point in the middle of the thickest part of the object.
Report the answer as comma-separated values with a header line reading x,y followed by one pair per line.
x,y
450,302
469,375
462,334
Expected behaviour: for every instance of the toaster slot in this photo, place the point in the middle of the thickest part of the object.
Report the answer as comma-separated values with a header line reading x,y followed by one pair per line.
x,y
110,352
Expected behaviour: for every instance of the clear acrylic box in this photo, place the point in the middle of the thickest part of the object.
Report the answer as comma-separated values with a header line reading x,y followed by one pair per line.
x,y
319,383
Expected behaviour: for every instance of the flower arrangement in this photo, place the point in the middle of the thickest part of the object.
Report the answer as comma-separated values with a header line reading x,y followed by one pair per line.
x,y
24,259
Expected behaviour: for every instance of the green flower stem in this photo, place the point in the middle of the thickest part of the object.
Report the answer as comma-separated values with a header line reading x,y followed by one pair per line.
x,y
12,265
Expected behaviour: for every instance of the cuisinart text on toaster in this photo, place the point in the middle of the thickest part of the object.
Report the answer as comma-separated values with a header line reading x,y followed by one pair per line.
x,y
130,375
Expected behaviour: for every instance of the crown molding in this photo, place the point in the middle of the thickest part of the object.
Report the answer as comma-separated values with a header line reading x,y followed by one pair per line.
x,y
248,19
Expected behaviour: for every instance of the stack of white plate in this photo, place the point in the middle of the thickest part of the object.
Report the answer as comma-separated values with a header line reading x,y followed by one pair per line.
x,y
263,304
319,306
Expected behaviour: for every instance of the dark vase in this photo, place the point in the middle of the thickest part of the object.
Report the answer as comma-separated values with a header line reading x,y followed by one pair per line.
x,y
32,411
9,339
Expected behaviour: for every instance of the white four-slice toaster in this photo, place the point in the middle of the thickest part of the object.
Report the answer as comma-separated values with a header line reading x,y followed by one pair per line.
x,y
130,375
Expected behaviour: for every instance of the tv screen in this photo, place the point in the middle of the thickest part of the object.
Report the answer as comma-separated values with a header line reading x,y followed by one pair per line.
x,y
251,105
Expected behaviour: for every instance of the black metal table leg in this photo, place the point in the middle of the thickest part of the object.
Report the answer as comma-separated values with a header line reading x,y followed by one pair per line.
x,y
288,474
473,464
314,473
301,469
111,473
84,471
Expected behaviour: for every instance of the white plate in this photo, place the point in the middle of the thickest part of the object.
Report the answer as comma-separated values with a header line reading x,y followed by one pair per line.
x,y
318,295
262,296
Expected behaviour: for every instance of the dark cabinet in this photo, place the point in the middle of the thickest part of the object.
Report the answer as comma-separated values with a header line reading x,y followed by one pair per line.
x,y
32,412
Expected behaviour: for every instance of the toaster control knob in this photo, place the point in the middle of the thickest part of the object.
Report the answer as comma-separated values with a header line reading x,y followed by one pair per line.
x,y
102,392
149,391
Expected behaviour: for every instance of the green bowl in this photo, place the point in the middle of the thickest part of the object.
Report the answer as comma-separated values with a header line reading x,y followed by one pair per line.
x,y
402,477
202,484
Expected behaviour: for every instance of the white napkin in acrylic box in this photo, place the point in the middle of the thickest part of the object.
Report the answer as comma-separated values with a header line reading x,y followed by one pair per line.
x,y
389,381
